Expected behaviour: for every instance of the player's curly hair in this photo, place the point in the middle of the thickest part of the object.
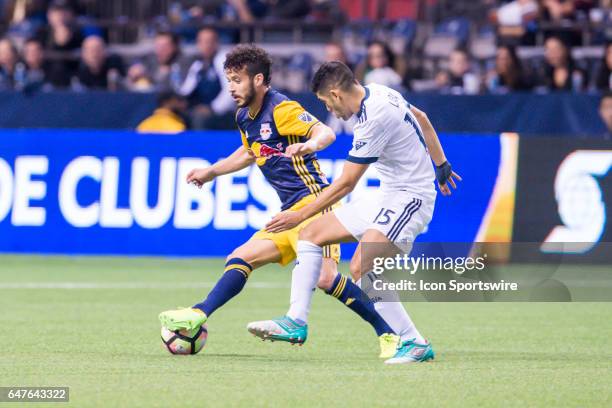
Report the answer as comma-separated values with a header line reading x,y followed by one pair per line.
x,y
255,59
333,74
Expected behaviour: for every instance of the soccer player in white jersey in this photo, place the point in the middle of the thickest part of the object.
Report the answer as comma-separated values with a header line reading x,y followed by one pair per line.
x,y
400,142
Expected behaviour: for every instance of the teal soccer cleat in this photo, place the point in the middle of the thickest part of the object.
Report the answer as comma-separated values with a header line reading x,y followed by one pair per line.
x,y
411,352
281,329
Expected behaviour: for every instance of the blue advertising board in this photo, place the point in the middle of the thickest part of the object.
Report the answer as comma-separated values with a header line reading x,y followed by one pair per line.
x,y
117,192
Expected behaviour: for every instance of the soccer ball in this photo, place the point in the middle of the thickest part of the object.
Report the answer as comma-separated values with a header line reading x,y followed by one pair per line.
x,y
183,341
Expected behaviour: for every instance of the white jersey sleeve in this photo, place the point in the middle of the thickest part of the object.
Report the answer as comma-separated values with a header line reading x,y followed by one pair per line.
x,y
369,141
370,135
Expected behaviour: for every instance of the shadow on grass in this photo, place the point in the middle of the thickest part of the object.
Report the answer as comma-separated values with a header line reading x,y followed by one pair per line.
x,y
266,357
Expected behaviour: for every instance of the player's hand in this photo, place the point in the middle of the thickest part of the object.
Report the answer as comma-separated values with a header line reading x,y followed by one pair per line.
x,y
199,177
284,221
299,149
445,176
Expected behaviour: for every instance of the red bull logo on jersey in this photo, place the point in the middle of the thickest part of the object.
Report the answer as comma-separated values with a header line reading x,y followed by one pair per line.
x,y
267,151
262,152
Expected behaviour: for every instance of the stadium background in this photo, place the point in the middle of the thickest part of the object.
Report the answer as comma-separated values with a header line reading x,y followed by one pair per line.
x,y
77,178
446,57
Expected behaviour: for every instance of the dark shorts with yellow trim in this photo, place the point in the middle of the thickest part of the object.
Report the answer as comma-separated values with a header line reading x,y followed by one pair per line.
x,y
286,241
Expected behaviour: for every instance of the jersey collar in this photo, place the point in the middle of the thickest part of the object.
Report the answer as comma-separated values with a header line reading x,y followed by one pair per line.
x,y
362,105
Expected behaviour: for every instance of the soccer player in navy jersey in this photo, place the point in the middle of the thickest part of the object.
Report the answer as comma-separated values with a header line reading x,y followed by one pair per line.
x,y
282,138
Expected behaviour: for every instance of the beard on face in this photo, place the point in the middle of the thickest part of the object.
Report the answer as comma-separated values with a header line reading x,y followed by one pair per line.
x,y
249,96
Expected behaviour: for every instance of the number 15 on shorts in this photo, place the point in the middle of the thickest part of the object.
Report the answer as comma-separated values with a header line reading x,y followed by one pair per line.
x,y
384,216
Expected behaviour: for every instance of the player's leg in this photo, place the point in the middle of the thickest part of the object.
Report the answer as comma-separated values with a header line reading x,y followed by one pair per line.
x,y
320,232
393,312
349,294
312,261
354,218
243,260
345,224
292,327
408,217
239,265
345,290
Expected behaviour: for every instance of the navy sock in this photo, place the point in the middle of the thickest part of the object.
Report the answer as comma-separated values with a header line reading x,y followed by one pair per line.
x,y
230,284
352,296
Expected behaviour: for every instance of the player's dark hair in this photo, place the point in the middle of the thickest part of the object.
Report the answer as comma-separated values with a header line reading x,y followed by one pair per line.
x,y
332,74
255,59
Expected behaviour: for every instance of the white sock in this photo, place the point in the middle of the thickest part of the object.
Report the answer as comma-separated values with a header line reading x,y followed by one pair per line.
x,y
396,317
304,279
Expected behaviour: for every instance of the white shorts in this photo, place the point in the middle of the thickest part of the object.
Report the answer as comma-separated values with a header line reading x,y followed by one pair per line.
x,y
401,216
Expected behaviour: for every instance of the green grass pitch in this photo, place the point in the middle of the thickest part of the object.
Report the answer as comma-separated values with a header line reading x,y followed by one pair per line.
x,y
91,324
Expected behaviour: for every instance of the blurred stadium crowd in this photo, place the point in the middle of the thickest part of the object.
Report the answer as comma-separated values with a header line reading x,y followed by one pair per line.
x,y
458,47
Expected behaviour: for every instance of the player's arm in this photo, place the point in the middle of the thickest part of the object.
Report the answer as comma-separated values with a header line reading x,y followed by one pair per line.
x,y
291,119
444,173
240,159
340,188
320,137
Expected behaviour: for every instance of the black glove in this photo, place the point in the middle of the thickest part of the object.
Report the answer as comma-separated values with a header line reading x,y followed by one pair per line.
x,y
443,172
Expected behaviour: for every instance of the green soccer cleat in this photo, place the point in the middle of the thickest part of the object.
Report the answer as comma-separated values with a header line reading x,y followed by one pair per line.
x,y
411,352
281,329
184,318
388,345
